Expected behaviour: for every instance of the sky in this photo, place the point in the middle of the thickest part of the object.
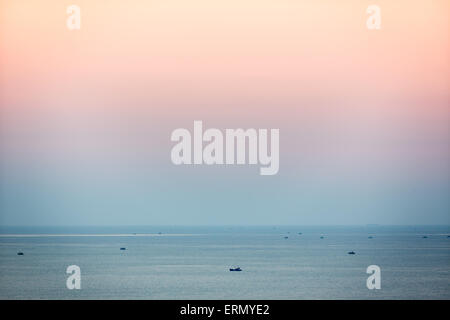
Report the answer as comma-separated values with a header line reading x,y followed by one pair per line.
x,y
86,115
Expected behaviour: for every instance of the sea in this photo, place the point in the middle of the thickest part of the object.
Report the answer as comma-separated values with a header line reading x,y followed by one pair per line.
x,y
277,262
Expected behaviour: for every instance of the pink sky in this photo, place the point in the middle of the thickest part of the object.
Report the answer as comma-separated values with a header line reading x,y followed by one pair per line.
x,y
86,115
311,67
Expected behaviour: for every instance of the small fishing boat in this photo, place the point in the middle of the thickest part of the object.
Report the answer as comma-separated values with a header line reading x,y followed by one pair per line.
x,y
351,252
123,248
235,269
20,253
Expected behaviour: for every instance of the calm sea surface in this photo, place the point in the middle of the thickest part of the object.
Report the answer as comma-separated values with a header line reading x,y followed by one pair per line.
x,y
193,262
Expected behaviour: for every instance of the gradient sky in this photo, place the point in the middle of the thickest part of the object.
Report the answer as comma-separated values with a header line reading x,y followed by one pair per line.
x,y
86,115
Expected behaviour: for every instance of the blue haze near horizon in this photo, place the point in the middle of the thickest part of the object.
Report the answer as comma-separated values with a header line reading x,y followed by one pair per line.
x,y
143,190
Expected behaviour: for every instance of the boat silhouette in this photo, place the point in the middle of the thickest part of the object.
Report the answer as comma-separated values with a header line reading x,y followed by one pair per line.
x,y
351,252
236,269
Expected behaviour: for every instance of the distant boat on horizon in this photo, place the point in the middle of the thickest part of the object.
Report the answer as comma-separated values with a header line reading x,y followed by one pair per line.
x,y
236,269
20,253
351,252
